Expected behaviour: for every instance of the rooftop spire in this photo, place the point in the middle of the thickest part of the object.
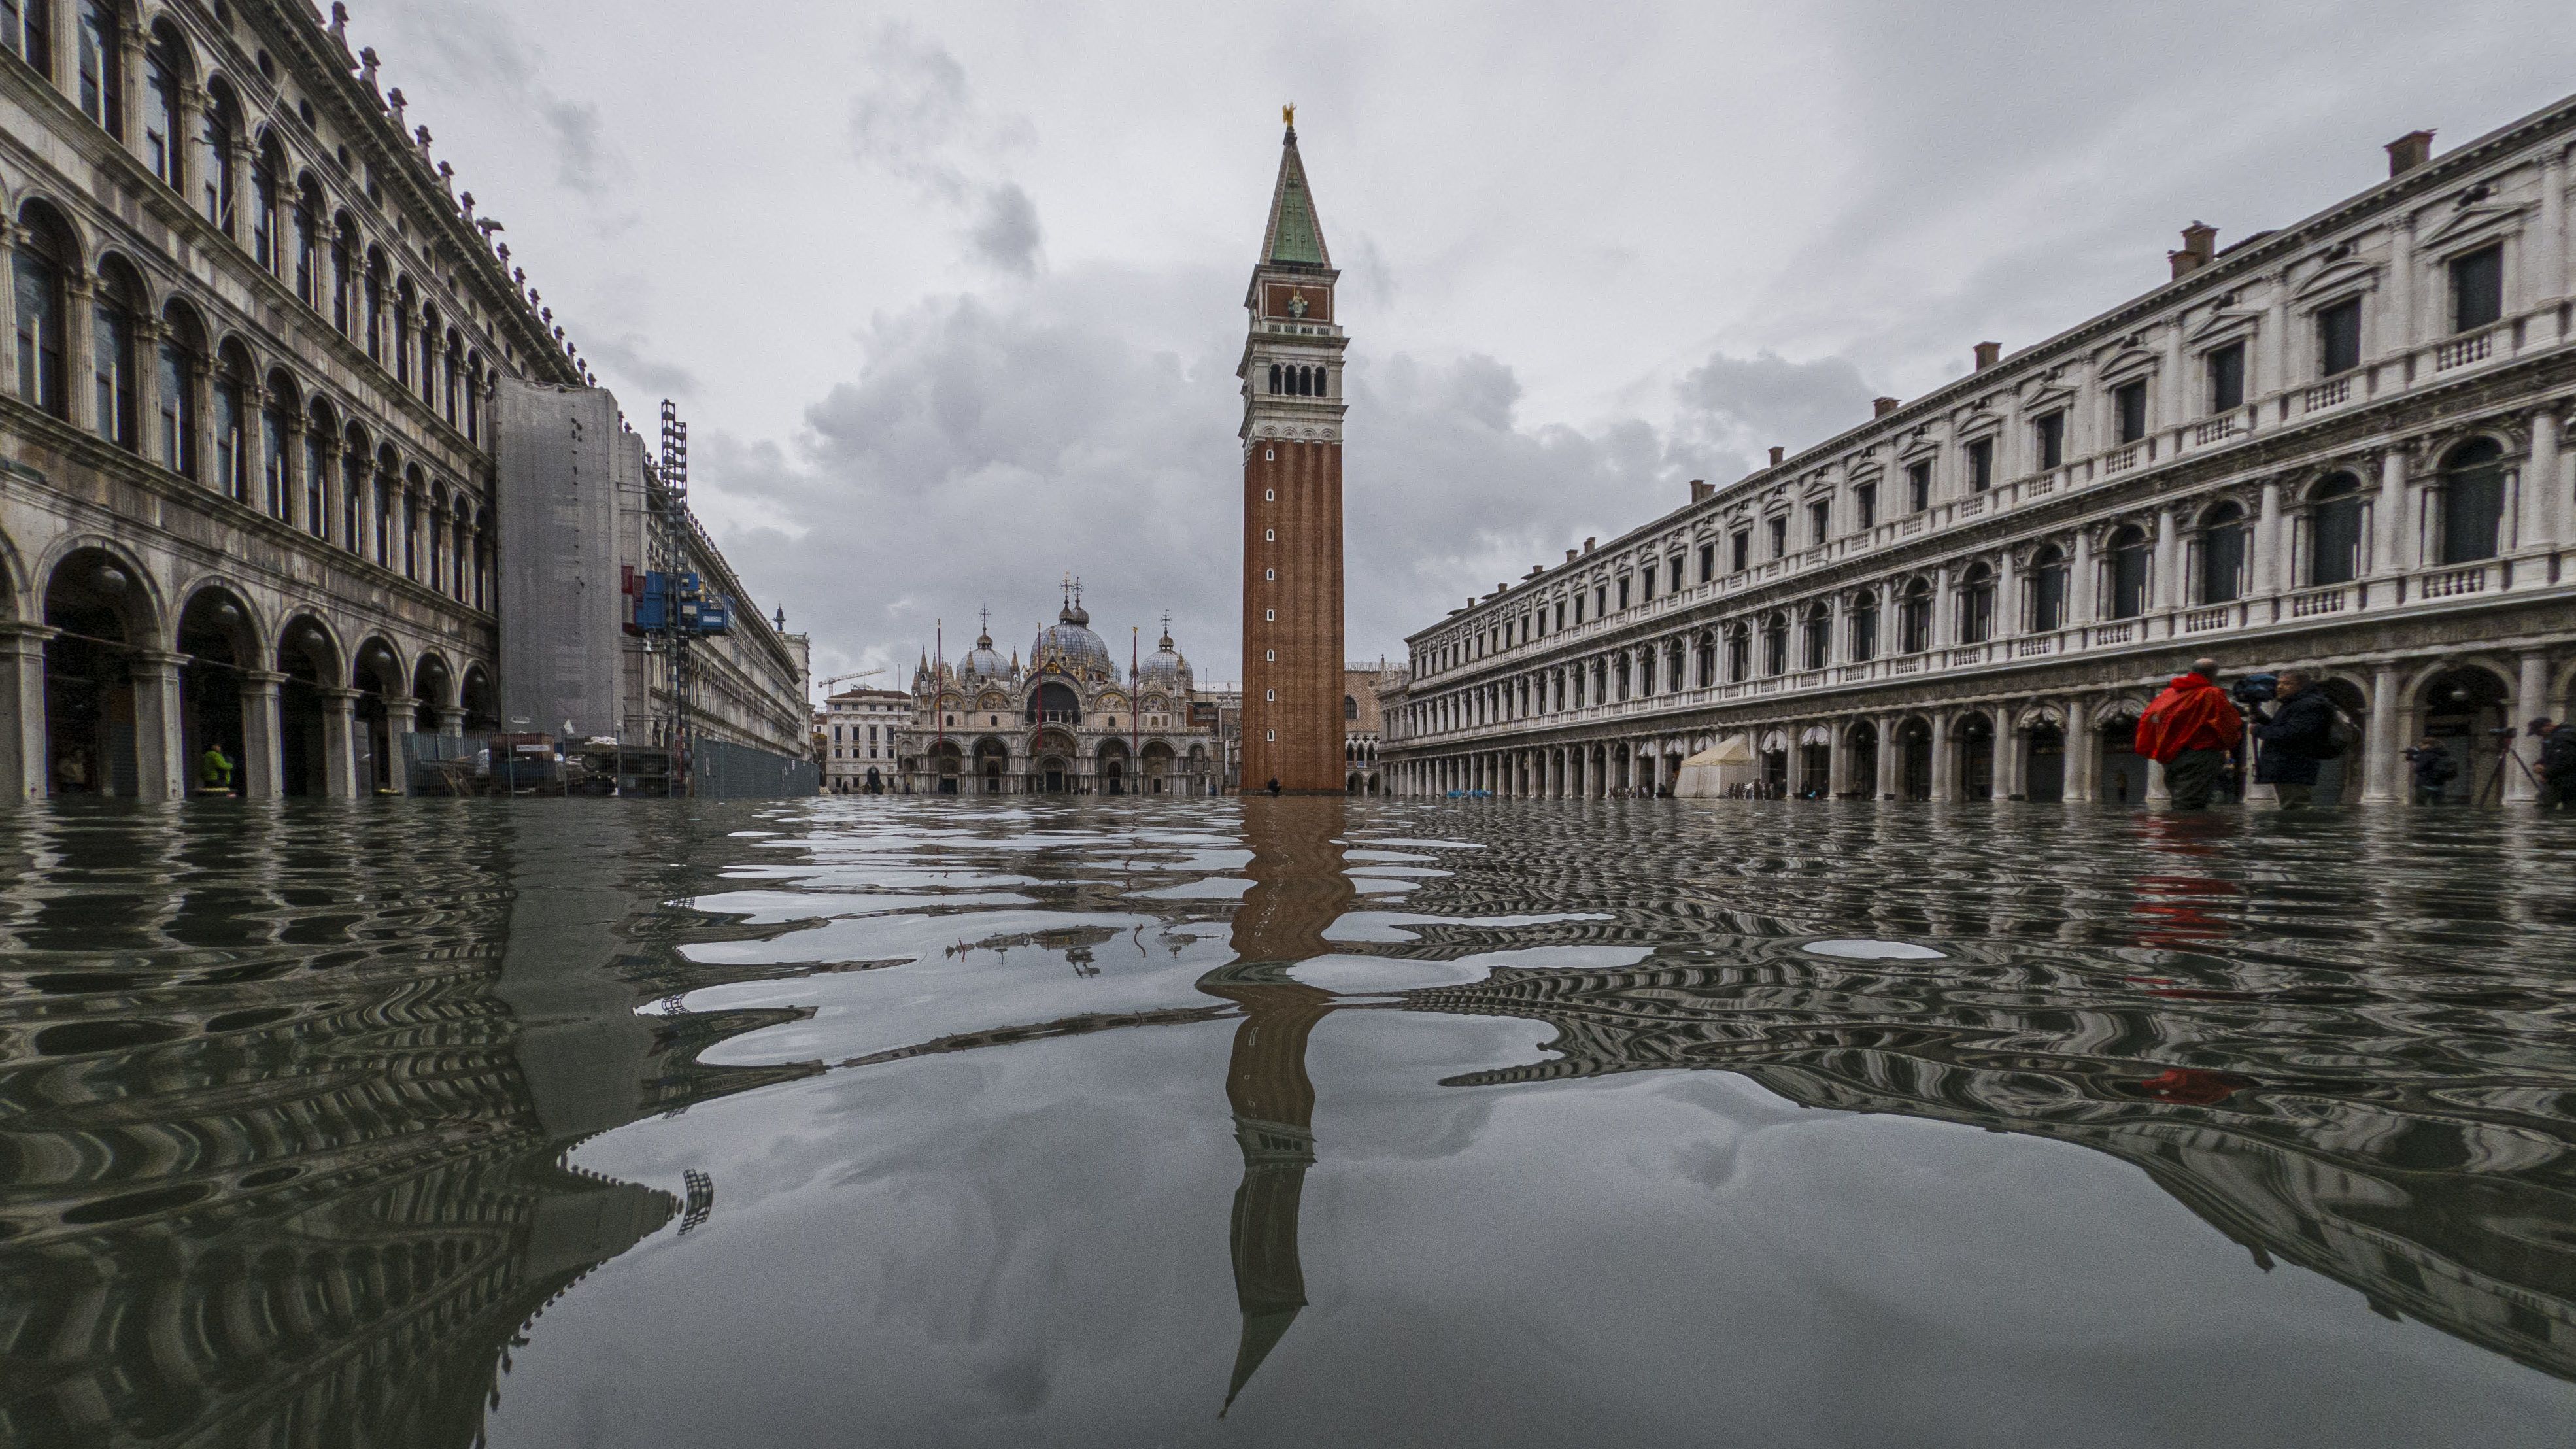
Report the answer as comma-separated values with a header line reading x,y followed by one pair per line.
x,y
1294,237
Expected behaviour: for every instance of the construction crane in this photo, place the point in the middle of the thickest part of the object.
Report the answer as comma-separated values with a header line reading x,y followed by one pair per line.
x,y
825,685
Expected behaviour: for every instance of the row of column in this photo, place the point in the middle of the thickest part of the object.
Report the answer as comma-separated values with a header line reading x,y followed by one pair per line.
x,y
1593,769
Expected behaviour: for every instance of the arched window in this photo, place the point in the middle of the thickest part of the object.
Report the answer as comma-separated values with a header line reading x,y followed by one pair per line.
x,y
450,378
183,351
2047,589
308,243
1707,658
113,363
2222,554
344,277
232,427
1864,628
429,346
1775,644
1914,618
276,421
164,63
375,304
411,524
474,397
102,66
27,29
41,268
1274,378
221,125
319,432
2126,566
2472,502
483,558
1976,604
403,307
1815,638
263,206
2334,531
434,527
386,480
1739,654
1350,708
458,544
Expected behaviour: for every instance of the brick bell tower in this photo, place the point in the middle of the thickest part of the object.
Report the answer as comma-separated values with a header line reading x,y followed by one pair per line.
x,y
1292,499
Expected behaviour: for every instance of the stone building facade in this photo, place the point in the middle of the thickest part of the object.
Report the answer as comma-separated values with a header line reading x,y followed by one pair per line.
x,y
1363,726
858,728
2335,445
1292,500
245,440
1063,724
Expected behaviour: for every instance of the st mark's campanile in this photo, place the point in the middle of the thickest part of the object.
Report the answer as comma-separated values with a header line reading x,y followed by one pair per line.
x,y
1292,500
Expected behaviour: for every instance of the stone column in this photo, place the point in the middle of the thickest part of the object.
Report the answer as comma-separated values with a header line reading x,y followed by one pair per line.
x,y
451,723
340,743
2164,591
2381,746
2006,619
2545,278
10,233
160,743
2081,585
80,349
2399,333
1945,770
263,772
2388,552
1890,759
2268,542
2541,488
1837,756
2011,756
1943,634
2083,754
23,735
2530,702
130,40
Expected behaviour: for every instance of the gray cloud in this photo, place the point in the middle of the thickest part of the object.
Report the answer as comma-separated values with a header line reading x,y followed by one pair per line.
x,y
630,359
468,49
1006,235
1748,404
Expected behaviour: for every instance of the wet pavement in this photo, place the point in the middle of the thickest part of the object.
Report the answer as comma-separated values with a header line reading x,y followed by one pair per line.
x,y
564,1123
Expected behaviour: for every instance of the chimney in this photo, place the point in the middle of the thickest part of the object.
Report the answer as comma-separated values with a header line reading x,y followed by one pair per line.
x,y
1700,489
2199,244
1776,452
1587,545
1880,407
1569,555
2409,151
1988,354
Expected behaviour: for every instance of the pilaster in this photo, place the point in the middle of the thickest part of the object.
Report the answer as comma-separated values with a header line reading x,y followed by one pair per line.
x,y
23,731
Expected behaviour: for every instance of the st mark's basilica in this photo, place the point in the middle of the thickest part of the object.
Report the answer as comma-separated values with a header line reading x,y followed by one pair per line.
x,y
1064,723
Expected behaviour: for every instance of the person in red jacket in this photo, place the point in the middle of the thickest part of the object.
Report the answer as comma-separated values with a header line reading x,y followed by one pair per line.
x,y
2191,729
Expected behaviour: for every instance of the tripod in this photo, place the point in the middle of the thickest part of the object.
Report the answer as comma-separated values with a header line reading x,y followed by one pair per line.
x,y
2492,793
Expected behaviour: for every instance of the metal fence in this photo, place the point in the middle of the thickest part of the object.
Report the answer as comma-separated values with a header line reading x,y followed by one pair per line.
x,y
740,772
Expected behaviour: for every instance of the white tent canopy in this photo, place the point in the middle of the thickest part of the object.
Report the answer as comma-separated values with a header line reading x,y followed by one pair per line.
x,y
1715,771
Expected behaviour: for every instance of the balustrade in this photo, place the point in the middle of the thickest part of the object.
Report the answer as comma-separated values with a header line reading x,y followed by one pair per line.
x,y
2461,351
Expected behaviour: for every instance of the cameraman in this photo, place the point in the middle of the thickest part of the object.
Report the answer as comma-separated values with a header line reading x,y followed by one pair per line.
x,y
2434,770
2557,762
2295,740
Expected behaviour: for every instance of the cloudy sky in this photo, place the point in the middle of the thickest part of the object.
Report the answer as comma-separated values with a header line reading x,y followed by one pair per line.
x,y
951,294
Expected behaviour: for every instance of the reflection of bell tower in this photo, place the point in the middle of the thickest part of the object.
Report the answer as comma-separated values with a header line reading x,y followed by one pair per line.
x,y
1292,500
1298,890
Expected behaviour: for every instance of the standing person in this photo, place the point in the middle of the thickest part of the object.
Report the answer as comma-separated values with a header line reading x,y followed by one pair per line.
x,y
2190,730
2295,740
2434,770
2557,762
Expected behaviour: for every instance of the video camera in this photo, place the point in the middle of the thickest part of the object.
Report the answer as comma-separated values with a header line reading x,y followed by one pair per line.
x,y
2256,689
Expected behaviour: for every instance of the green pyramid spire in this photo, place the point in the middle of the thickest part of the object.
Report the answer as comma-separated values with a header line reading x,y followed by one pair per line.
x,y
1294,237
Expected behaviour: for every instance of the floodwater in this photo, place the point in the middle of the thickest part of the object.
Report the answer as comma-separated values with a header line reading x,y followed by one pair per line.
x,y
1304,1122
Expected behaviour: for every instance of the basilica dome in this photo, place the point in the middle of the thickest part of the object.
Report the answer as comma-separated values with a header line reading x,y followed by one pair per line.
x,y
1164,667
1068,644
982,665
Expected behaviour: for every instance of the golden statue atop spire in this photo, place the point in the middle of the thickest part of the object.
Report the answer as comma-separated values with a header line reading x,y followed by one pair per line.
x,y
1288,114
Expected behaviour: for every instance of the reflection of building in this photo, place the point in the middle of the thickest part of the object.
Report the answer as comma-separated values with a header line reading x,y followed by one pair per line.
x,y
2413,1190
857,729
1292,500
273,1204
2337,443
1064,723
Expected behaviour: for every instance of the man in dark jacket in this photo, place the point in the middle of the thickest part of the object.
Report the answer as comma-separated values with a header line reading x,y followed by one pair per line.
x,y
2295,739
2434,769
2557,763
